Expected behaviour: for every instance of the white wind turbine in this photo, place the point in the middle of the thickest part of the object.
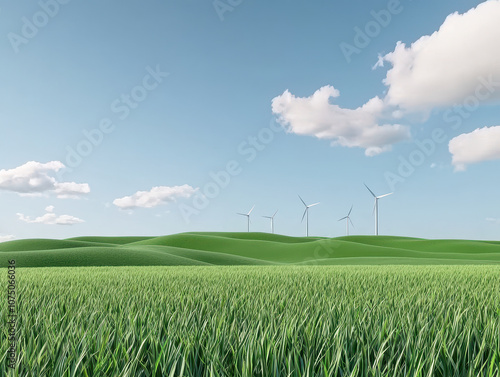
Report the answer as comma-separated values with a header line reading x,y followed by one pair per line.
x,y
248,217
306,214
375,208
272,220
347,219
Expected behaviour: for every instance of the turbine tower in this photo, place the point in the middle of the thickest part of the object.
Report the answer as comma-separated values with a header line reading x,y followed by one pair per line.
x,y
347,219
375,208
306,214
272,220
248,217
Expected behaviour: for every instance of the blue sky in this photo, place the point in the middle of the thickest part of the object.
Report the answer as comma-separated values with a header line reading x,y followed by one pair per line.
x,y
205,77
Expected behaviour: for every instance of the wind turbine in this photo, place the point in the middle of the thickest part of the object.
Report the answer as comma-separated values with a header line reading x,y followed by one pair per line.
x,y
347,219
248,217
272,220
306,214
375,208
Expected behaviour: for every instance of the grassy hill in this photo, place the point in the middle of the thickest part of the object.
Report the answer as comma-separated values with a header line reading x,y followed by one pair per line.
x,y
203,248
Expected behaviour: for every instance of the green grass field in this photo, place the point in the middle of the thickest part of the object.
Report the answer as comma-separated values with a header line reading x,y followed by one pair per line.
x,y
188,249
258,321
274,306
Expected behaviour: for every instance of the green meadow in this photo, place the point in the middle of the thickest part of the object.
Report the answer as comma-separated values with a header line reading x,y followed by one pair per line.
x,y
253,304
258,321
203,249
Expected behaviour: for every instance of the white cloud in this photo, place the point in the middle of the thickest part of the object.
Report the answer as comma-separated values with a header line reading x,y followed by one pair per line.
x,y
71,190
317,116
156,196
36,178
458,64
32,177
50,218
482,144
450,65
6,238
493,220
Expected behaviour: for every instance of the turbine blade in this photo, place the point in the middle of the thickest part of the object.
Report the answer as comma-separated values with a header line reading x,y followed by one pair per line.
x,y
383,196
267,217
242,214
351,222
304,215
374,206
302,201
312,205
343,218
251,210
275,213
370,190
350,211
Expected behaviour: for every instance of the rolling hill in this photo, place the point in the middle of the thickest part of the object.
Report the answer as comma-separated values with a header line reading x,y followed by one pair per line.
x,y
203,248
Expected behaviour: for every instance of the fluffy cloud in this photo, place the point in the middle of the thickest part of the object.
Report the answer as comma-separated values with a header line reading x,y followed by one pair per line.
x,y
317,116
6,238
71,190
458,61
481,144
36,178
156,196
50,218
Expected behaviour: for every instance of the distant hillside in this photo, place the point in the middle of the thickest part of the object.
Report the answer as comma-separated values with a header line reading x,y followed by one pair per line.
x,y
203,248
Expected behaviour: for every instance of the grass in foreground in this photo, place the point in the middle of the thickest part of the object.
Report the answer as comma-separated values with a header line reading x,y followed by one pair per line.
x,y
258,321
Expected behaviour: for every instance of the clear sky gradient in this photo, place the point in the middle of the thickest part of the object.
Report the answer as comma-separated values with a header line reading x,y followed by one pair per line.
x,y
200,78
